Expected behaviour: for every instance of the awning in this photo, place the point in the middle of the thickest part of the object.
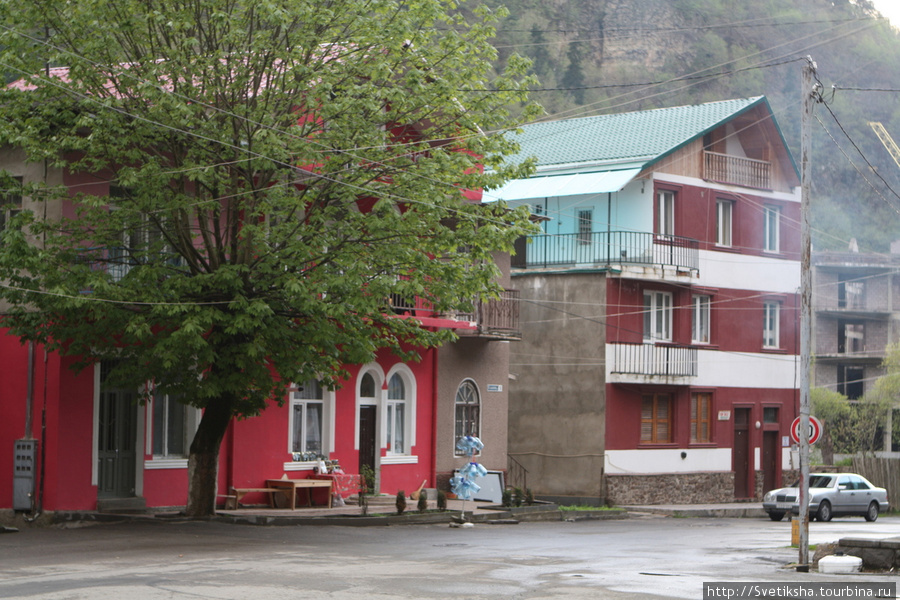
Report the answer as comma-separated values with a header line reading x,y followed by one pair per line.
x,y
563,185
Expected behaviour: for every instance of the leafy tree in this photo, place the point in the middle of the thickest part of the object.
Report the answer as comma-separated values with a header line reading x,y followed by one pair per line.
x,y
833,409
276,172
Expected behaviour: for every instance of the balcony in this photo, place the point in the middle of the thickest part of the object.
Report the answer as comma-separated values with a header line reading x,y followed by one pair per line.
x,y
497,318
606,248
736,170
492,318
649,361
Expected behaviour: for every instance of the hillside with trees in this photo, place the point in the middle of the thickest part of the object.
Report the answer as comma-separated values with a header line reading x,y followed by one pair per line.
x,y
610,56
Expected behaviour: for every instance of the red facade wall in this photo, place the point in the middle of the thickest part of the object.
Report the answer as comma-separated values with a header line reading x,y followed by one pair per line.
x,y
253,450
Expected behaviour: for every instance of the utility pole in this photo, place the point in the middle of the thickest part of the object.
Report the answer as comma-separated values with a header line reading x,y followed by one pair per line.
x,y
810,90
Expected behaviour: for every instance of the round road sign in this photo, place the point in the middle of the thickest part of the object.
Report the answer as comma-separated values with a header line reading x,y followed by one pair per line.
x,y
815,430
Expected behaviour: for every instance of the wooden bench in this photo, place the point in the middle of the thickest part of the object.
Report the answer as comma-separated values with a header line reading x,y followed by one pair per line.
x,y
233,500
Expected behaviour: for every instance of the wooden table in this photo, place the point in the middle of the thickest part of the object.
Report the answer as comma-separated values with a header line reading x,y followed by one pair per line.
x,y
344,483
290,487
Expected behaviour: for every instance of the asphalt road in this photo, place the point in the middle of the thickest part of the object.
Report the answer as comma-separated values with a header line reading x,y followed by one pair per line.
x,y
633,558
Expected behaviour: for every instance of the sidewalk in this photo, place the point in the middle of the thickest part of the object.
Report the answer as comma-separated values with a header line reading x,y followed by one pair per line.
x,y
734,510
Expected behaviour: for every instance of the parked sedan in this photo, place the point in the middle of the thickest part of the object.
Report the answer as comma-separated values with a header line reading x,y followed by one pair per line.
x,y
829,494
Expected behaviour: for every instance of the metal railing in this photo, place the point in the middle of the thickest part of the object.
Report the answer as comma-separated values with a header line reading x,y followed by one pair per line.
x,y
607,248
746,172
516,474
650,359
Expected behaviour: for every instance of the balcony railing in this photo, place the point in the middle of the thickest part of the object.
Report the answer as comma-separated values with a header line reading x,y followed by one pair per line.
x,y
497,317
653,360
736,170
607,248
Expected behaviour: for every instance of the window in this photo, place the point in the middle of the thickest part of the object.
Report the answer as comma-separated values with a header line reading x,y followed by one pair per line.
x,y
10,202
771,312
724,208
665,217
307,419
172,427
657,316
700,319
655,419
851,337
770,414
585,226
851,381
468,412
701,409
396,416
851,293
771,228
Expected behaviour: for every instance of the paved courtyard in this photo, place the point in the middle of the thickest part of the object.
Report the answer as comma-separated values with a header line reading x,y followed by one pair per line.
x,y
639,557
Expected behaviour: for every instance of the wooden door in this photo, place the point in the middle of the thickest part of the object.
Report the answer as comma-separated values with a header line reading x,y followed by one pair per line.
x,y
741,453
367,437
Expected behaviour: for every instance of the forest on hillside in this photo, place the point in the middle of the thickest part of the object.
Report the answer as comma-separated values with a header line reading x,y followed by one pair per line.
x,y
610,56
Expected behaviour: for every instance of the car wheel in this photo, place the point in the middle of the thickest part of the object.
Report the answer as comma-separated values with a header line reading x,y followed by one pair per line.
x,y
777,516
824,512
872,513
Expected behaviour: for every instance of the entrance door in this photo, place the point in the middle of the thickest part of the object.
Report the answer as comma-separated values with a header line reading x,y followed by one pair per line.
x,y
770,460
117,429
741,457
367,437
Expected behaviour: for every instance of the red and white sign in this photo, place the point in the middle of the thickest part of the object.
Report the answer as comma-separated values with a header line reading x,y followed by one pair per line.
x,y
815,430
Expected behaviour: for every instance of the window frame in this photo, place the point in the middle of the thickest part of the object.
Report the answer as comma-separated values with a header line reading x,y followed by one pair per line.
x,y
11,202
724,222
701,318
584,225
299,402
665,212
466,410
159,438
655,420
771,324
771,228
393,446
701,418
657,315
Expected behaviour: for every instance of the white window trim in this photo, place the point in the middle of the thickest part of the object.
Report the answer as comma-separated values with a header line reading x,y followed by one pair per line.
x,y
655,310
700,304
772,306
378,375
724,223
772,218
409,433
665,212
327,421
159,461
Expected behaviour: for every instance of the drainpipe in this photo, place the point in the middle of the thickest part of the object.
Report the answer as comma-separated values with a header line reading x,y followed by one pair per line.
x,y
29,393
38,499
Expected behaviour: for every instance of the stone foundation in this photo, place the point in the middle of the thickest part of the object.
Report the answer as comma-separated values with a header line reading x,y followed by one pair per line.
x,y
670,488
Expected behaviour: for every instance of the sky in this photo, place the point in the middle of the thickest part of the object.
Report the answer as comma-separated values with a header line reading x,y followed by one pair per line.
x,y
890,9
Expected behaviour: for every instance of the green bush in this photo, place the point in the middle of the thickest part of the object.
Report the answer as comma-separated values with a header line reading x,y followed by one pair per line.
x,y
401,502
442,500
422,504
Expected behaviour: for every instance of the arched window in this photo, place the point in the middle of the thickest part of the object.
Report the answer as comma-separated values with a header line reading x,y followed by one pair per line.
x,y
396,415
468,412
367,387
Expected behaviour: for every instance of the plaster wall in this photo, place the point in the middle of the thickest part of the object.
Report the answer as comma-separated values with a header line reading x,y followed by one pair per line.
x,y
557,405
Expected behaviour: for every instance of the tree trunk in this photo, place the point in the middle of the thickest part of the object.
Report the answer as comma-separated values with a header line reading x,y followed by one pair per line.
x,y
203,462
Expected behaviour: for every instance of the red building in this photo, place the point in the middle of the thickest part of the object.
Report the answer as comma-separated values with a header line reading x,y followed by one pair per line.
x,y
660,348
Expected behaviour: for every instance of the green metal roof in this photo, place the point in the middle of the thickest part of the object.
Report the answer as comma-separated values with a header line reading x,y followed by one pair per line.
x,y
624,140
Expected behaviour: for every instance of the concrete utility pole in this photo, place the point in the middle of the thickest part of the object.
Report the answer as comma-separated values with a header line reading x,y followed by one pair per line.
x,y
810,96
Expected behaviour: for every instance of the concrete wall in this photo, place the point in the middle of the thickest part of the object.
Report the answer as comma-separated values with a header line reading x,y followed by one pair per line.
x,y
557,412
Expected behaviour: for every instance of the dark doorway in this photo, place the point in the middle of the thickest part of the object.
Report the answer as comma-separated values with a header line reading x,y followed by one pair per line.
x,y
117,433
367,437
741,458
770,460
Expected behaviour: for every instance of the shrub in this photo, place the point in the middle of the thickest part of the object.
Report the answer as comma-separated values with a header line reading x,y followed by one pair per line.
x,y
442,500
401,502
518,496
529,497
422,504
506,498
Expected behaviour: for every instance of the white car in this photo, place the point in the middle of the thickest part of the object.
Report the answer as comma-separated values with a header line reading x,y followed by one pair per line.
x,y
829,494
